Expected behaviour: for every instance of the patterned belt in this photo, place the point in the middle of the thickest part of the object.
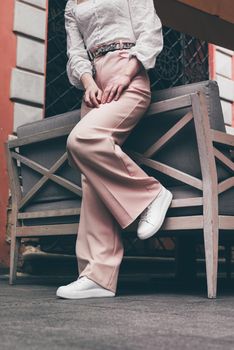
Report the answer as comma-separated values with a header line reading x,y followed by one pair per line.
x,y
103,49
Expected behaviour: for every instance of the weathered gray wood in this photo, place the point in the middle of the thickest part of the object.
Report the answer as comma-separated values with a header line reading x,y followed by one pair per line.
x,y
169,105
229,165
222,138
12,169
210,222
48,175
49,213
170,223
210,190
175,223
166,169
183,223
14,255
186,202
47,230
155,108
41,136
16,195
225,185
226,222
163,140
43,180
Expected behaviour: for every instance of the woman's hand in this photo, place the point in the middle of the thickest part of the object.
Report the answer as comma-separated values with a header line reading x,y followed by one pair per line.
x,y
93,94
117,85
115,88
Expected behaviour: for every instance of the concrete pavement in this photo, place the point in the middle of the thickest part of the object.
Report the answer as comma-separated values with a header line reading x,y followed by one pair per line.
x,y
146,314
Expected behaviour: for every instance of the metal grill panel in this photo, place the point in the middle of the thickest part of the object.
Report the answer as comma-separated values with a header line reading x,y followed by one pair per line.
x,y
183,60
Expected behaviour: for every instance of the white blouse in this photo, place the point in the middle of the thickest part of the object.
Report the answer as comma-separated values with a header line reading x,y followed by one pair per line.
x,y
94,22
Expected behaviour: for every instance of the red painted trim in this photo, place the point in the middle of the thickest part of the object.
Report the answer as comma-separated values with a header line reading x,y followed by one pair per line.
x,y
212,61
233,115
233,80
8,61
233,66
46,48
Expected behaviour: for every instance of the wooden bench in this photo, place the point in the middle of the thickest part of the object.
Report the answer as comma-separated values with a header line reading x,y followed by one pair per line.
x,y
181,140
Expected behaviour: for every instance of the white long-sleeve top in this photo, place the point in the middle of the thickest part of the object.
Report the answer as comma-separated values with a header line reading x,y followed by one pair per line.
x,y
94,22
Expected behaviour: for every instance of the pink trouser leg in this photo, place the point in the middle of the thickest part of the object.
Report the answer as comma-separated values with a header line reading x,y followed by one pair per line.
x,y
99,247
115,189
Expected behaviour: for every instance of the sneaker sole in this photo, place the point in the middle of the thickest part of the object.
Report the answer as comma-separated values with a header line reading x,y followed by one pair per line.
x,y
94,293
166,205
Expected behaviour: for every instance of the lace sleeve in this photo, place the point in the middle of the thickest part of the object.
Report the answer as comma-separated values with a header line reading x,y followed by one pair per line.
x,y
78,61
147,27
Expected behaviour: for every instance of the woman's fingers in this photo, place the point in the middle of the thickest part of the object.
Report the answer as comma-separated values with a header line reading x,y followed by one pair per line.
x,y
109,93
87,100
106,93
99,95
112,93
93,99
104,96
93,96
119,92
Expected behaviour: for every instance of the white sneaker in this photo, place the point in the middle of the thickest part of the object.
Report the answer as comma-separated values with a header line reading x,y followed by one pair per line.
x,y
83,287
152,217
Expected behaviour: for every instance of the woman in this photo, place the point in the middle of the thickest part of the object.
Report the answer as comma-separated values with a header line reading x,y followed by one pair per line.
x,y
110,46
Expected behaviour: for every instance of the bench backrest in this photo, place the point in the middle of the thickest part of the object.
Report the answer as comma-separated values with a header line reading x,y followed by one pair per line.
x,y
181,152
46,153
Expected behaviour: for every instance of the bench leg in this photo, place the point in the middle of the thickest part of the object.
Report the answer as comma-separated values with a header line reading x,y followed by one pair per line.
x,y
14,254
211,233
209,188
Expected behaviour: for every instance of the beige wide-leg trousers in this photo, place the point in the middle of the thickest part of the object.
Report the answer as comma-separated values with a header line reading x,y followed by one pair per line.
x,y
115,190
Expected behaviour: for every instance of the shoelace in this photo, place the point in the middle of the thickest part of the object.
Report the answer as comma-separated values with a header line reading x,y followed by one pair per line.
x,y
146,214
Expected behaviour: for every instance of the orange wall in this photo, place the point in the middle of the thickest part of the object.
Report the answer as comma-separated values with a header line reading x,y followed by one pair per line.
x,y
8,60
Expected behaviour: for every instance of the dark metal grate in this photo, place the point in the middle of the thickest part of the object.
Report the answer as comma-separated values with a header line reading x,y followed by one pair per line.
x,y
183,60
60,95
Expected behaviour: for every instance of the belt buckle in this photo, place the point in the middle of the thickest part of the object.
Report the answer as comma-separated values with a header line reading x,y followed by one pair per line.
x,y
119,44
